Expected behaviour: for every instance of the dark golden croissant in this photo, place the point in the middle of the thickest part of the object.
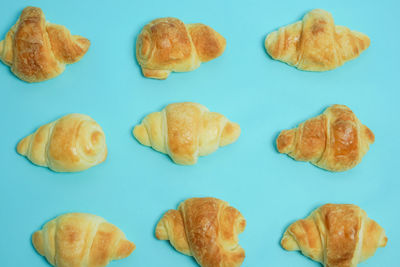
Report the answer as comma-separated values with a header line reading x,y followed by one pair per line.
x,y
207,229
335,140
72,143
37,50
167,44
337,235
186,131
81,240
315,43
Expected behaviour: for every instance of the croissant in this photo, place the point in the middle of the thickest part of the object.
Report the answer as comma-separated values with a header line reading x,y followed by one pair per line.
x,y
185,131
336,235
207,229
81,240
335,140
72,143
315,43
167,44
37,50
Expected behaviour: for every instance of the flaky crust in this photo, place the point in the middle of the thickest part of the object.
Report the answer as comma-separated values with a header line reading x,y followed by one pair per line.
x,y
167,44
37,50
72,143
81,240
207,229
315,43
335,140
185,131
337,235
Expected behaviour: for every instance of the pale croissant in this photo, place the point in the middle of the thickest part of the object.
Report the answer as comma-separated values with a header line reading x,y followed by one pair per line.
x,y
207,229
335,140
336,235
167,44
37,50
72,143
81,240
316,43
186,131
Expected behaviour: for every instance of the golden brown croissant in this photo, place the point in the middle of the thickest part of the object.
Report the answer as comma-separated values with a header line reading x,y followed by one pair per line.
x,y
37,50
81,240
315,43
337,235
335,140
185,131
207,229
167,44
72,143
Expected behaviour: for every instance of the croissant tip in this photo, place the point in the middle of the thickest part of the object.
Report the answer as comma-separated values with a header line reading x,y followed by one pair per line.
x,y
37,242
140,133
22,146
124,249
383,242
288,243
268,45
161,234
285,141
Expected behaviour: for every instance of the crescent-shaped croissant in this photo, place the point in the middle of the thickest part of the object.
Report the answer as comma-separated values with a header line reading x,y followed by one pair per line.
x,y
207,229
185,131
167,44
315,43
81,240
37,50
335,140
72,143
336,235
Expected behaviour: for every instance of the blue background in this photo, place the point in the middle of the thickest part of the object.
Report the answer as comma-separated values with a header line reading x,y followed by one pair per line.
x,y
136,185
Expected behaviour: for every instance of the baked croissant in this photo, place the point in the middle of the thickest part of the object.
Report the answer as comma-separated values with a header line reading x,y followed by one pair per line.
x,y
167,44
81,240
336,235
185,131
37,50
207,229
315,43
72,143
335,140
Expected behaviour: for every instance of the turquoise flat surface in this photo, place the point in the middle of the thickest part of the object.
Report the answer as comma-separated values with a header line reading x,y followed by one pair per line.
x,y
136,185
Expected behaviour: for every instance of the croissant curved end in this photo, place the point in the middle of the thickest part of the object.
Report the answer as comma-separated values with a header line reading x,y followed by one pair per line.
x,y
230,133
156,74
83,42
370,135
124,249
23,145
289,243
383,241
161,232
285,141
1,49
38,243
140,133
269,41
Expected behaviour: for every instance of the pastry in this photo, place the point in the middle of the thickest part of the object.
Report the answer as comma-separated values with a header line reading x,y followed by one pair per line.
x,y
167,44
185,131
37,50
315,43
72,143
336,235
207,229
335,140
81,240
